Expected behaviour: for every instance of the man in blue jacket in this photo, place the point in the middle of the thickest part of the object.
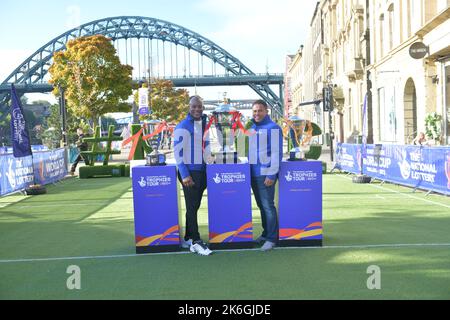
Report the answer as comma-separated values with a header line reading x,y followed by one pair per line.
x,y
265,155
189,155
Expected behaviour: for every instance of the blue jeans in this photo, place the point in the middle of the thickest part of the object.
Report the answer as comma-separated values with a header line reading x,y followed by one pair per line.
x,y
265,200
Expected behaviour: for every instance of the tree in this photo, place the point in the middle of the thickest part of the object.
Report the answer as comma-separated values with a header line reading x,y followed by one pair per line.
x,y
94,80
167,103
5,131
51,130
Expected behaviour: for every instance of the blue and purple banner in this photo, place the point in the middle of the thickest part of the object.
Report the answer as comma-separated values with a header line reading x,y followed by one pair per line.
x,y
414,166
155,201
19,133
17,173
49,166
300,203
229,205
348,158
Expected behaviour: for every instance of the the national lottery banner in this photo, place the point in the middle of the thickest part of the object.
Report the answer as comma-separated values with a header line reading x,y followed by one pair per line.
x,y
348,157
415,166
17,173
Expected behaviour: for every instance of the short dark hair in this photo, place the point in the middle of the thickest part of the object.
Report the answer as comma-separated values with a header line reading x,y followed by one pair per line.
x,y
196,97
261,102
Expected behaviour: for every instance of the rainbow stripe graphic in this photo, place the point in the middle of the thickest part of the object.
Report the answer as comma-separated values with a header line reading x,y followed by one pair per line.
x,y
171,235
314,229
243,233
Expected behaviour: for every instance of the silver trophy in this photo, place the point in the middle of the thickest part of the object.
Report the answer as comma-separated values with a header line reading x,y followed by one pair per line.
x,y
155,157
297,136
225,114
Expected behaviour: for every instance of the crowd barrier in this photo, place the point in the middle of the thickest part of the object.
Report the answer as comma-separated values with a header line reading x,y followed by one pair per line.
x,y
420,167
17,173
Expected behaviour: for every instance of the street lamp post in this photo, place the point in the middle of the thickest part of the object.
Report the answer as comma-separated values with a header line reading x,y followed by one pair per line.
x,y
62,110
328,107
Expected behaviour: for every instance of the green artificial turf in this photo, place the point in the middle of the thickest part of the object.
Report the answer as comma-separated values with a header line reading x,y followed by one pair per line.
x,y
89,223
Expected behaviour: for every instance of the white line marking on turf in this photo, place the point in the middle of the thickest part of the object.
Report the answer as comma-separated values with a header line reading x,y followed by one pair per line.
x,y
406,195
369,246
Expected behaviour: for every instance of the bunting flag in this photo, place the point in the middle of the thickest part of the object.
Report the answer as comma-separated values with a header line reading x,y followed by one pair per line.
x,y
212,120
163,125
236,121
364,129
135,140
19,133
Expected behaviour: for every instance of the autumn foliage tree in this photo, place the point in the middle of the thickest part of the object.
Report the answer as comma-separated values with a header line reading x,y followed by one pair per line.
x,y
166,103
94,80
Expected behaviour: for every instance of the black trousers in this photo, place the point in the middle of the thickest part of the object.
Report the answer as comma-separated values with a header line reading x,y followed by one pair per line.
x,y
75,163
193,199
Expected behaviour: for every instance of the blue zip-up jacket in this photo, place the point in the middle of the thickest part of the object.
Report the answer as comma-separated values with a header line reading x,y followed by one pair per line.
x,y
266,125
195,162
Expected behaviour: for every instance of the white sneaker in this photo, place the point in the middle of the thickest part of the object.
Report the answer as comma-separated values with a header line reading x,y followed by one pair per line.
x,y
268,245
186,244
201,248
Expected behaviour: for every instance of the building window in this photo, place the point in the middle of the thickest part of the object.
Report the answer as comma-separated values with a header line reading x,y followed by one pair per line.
x,y
408,18
391,26
350,118
388,117
381,23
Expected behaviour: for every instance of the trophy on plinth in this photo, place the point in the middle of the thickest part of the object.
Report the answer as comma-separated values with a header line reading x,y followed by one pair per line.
x,y
224,117
299,134
153,138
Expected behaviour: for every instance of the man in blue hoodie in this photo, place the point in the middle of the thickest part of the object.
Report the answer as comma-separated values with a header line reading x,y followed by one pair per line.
x,y
189,156
265,155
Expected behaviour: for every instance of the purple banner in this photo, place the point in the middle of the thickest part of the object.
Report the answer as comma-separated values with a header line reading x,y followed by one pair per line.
x,y
419,167
17,173
229,203
49,166
155,203
300,201
19,132
348,157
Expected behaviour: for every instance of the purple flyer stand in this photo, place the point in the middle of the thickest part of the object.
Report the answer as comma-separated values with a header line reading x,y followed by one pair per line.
x,y
300,203
229,206
155,202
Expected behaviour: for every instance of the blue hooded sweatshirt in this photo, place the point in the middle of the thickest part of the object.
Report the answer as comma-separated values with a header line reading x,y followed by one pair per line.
x,y
183,131
264,130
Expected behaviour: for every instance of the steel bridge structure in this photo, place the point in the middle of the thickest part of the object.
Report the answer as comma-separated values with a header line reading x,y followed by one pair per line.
x,y
156,49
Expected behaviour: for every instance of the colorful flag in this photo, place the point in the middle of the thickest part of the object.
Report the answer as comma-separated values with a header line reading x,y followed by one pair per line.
x,y
364,129
19,133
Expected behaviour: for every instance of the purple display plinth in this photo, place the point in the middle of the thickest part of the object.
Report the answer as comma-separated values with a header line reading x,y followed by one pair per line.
x,y
229,206
300,203
156,209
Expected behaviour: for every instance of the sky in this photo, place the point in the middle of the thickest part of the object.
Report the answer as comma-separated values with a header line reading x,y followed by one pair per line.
x,y
260,33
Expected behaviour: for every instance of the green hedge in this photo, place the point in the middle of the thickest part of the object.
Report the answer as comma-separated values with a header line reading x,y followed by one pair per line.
x,y
314,152
117,170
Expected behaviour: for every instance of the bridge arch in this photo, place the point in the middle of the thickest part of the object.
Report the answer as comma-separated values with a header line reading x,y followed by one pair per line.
x,y
34,68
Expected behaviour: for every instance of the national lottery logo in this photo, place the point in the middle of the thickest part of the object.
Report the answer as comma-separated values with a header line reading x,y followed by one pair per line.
x,y
405,168
288,176
217,179
11,174
154,181
142,182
